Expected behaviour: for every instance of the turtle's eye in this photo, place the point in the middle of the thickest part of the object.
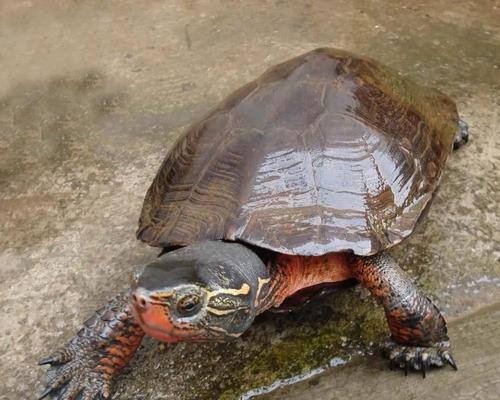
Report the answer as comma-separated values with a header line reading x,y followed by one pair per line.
x,y
188,305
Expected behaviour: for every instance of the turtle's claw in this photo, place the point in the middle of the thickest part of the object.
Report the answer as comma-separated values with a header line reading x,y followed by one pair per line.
x,y
448,357
45,393
61,356
419,358
48,360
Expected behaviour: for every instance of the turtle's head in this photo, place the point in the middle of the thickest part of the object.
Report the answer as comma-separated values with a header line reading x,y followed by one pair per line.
x,y
206,291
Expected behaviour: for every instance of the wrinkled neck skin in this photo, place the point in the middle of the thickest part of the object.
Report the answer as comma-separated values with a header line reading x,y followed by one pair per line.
x,y
289,274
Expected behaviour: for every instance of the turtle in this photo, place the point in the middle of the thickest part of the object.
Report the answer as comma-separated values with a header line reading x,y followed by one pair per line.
x,y
302,178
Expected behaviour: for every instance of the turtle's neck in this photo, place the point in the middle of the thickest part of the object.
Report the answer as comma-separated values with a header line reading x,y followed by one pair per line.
x,y
290,274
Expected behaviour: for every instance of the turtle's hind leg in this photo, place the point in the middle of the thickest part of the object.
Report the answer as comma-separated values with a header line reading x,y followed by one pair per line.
x,y
462,135
419,337
88,363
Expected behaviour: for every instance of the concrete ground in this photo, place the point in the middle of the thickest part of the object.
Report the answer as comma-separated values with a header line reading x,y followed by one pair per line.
x,y
93,94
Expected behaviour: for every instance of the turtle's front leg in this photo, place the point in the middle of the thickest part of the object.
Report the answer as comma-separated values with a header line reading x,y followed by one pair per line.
x,y
419,337
88,363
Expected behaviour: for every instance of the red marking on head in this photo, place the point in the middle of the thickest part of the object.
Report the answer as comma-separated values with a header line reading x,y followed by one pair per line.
x,y
155,320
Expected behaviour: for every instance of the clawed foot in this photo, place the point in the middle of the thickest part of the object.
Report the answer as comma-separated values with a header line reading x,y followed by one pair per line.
x,y
419,358
84,368
76,371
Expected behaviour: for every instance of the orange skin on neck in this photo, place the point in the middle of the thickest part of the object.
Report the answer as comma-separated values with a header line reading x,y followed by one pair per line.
x,y
293,273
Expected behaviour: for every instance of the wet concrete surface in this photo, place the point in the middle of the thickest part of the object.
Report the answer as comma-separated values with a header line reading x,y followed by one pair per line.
x,y
94,93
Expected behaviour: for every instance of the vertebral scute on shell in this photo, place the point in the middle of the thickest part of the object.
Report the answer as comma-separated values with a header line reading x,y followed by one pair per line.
x,y
325,152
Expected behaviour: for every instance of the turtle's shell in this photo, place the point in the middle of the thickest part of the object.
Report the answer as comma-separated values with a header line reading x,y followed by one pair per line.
x,y
325,152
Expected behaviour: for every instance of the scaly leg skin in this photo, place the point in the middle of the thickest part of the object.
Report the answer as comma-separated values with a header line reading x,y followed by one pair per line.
x,y
462,135
419,337
87,364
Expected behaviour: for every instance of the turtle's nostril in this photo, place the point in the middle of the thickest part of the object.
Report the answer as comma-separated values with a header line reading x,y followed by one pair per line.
x,y
140,301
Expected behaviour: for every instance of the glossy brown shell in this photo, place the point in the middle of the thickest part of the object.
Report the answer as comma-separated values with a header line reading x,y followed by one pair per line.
x,y
325,152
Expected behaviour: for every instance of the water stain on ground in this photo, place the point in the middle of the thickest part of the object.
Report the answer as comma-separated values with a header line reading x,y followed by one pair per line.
x,y
52,154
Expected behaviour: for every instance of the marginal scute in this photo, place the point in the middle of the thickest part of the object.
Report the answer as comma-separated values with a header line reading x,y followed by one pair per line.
x,y
325,152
